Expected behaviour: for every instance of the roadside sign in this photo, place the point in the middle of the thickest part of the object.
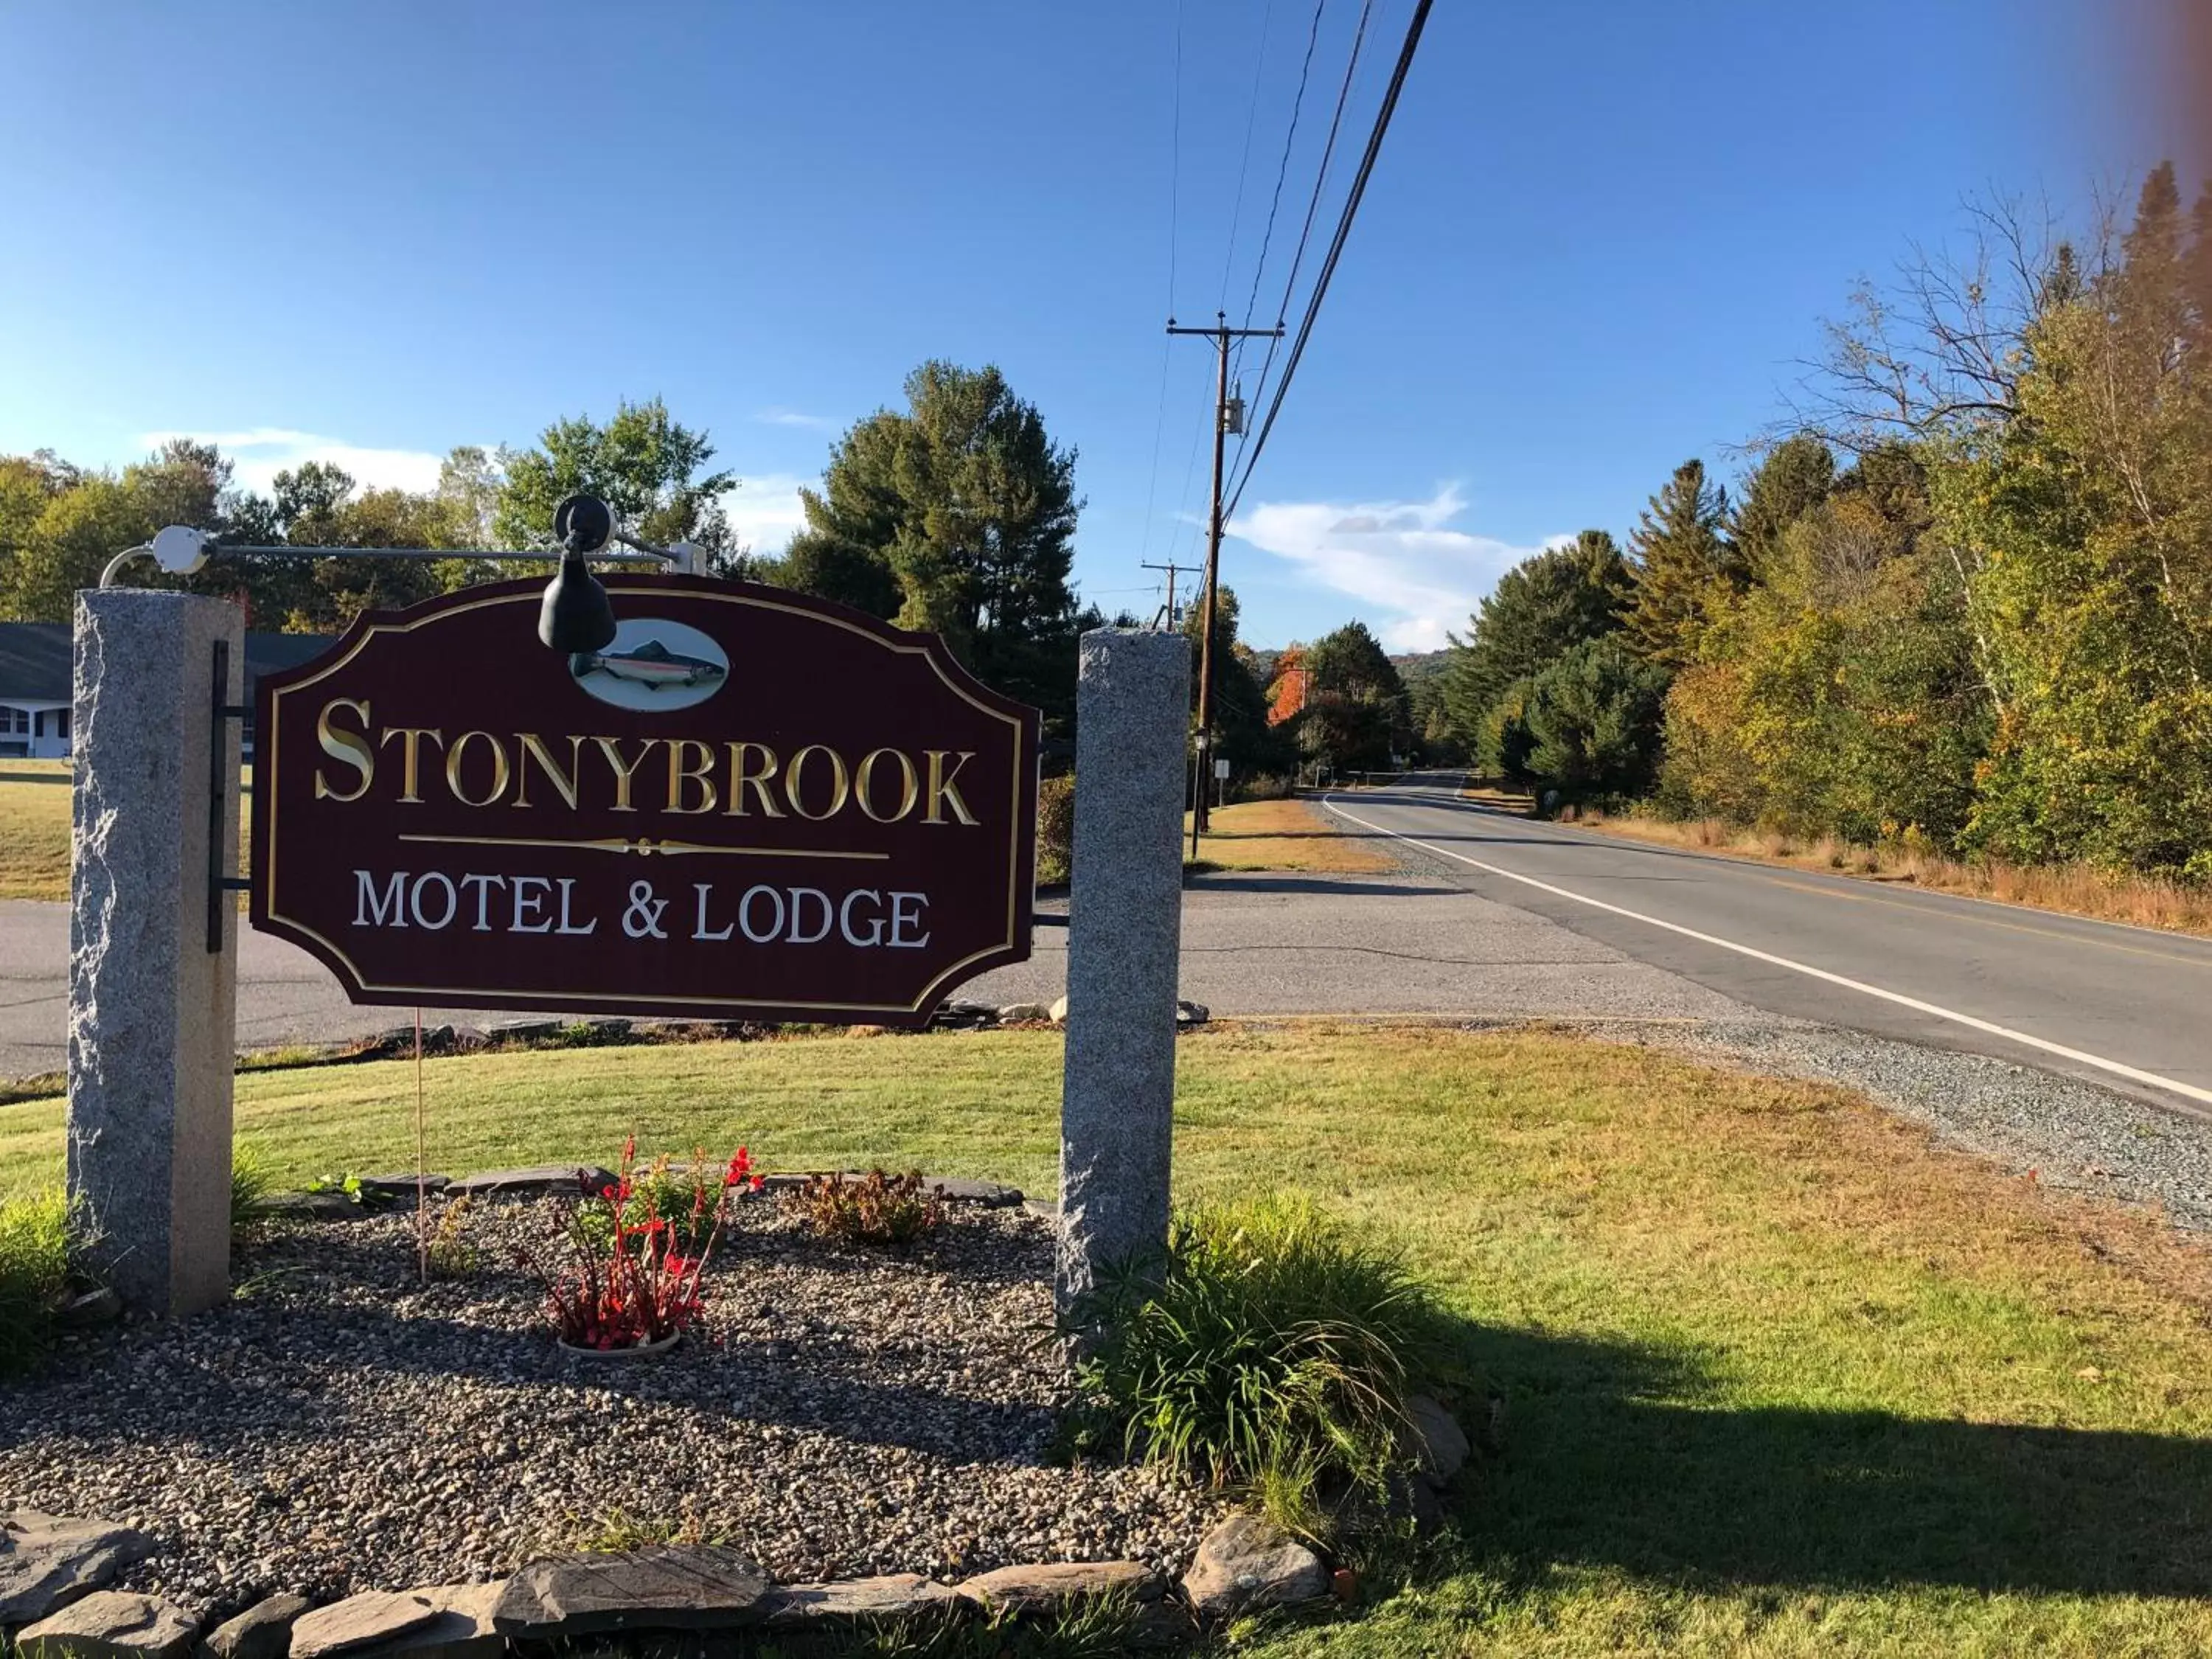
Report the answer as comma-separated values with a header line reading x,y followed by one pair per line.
x,y
752,805
1221,768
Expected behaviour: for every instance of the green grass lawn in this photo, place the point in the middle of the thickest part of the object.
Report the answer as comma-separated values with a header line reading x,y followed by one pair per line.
x,y
1783,1378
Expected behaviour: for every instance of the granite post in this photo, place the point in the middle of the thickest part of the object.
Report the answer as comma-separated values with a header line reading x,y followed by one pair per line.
x,y
152,1009
1125,927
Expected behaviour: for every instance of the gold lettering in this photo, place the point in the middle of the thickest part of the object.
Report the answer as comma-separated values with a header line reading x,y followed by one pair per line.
x,y
410,738
909,785
840,789
565,783
611,748
742,779
499,768
943,793
351,747
699,772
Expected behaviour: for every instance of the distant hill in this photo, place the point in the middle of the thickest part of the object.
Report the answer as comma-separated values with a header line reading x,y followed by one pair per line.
x,y
1417,666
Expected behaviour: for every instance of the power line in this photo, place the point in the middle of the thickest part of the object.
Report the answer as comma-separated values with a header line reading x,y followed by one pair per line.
x,y
1336,246
1313,206
1282,168
1244,163
1174,194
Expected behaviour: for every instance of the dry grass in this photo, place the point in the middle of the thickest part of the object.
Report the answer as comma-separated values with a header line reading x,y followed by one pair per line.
x,y
2075,890
34,829
1286,835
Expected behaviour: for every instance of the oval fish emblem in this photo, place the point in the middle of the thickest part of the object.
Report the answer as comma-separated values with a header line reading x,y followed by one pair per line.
x,y
653,665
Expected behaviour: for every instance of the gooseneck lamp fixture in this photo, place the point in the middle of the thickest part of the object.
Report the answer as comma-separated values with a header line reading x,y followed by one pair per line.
x,y
575,615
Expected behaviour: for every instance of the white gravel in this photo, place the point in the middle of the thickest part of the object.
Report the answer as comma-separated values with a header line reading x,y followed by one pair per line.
x,y
341,1428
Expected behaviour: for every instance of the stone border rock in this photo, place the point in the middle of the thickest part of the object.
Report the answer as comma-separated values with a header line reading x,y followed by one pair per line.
x,y
386,1191
55,1599
53,1574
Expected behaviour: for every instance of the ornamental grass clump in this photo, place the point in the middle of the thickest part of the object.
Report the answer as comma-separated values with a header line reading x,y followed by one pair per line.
x,y
623,1276
38,1235
1269,1351
889,1210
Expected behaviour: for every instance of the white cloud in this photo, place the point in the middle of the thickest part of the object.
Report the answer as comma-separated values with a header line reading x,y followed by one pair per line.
x,y
262,452
764,509
793,417
1417,577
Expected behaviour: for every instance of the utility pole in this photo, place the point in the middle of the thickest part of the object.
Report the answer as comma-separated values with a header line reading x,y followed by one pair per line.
x,y
1169,616
1221,334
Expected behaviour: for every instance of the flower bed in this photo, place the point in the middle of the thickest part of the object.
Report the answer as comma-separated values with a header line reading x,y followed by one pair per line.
x,y
835,1412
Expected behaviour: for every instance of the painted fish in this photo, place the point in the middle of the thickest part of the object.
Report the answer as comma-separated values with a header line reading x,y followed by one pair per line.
x,y
650,664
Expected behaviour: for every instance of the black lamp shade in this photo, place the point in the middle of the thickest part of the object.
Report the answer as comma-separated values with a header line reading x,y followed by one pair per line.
x,y
575,615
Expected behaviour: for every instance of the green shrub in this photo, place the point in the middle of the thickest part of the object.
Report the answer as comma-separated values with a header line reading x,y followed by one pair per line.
x,y
1270,1351
252,1183
36,1237
890,1211
1055,848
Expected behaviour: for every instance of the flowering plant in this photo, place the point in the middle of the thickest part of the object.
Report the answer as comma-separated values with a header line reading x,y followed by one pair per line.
x,y
632,1275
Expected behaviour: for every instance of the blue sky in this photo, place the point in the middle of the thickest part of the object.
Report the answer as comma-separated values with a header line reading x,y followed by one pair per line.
x,y
1601,234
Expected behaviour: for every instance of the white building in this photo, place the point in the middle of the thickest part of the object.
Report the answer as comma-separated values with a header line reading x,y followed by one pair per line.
x,y
35,691
34,683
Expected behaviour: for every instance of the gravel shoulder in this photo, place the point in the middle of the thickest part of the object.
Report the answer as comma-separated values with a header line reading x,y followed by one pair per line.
x,y
341,1428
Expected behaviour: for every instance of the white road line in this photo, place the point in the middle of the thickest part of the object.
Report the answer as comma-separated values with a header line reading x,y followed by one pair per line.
x,y
2133,1074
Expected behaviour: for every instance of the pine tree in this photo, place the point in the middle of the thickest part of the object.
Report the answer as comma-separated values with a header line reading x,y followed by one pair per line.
x,y
1796,477
956,515
1684,568
1539,609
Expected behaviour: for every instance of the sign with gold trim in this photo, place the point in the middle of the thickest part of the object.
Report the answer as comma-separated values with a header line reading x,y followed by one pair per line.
x,y
752,804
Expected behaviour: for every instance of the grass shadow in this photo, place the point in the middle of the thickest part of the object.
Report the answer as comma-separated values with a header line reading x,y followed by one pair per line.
x,y
1624,1457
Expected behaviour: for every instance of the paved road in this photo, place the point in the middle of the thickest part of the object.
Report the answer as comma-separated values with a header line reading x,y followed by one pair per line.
x,y
1254,943
1498,916
2126,1007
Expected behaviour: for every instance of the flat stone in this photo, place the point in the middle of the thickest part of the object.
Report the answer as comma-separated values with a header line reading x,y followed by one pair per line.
x,y
663,1587
461,1629
900,1596
964,1016
263,1631
566,1178
1189,1013
1014,1013
401,1184
1439,1445
1048,1585
1246,1563
366,1620
89,1308
1057,1011
313,1206
110,1624
47,1561
988,1193
521,1031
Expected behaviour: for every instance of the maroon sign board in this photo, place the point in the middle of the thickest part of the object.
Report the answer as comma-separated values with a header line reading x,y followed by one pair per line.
x,y
752,805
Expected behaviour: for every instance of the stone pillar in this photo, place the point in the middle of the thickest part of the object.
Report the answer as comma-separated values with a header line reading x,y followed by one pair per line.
x,y
152,1015
1125,927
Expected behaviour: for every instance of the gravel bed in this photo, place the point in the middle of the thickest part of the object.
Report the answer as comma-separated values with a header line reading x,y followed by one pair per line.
x,y
339,1427
2073,1134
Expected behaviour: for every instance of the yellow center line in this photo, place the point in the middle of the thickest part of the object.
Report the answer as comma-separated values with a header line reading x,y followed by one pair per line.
x,y
1586,838
1991,922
